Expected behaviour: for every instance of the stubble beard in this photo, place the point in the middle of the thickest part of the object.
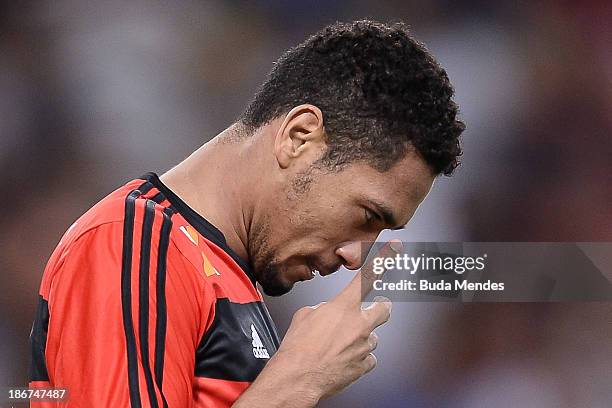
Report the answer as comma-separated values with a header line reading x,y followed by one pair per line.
x,y
266,269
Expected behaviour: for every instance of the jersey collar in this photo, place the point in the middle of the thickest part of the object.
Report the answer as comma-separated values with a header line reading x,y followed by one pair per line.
x,y
201,224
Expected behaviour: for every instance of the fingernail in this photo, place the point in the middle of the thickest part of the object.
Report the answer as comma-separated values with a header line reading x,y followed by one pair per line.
x,y
396,245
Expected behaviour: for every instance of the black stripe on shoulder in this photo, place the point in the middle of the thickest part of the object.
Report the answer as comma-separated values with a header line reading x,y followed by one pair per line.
x,y
161,323
158,198
145,188
126,292
143,298
38,342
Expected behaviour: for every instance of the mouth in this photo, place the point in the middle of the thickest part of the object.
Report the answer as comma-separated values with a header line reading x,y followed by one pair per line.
x,y
312,271
305,272
318,270
309,270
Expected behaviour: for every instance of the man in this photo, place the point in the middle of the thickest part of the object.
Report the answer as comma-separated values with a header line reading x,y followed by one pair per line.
x,y
150,297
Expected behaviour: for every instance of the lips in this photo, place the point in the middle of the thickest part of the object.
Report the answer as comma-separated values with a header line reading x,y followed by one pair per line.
x,y
327,272
324,271
311,270
307,273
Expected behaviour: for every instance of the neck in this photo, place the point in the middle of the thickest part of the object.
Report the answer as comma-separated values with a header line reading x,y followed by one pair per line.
x,y
216,181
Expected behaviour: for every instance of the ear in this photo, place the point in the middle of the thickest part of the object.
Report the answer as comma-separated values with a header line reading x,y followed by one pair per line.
x,y
301,135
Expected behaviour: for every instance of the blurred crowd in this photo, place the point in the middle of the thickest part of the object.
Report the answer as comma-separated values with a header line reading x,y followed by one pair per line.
x,y
93,94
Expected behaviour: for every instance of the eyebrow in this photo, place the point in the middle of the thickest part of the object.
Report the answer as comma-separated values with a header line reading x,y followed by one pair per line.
x,y
386,214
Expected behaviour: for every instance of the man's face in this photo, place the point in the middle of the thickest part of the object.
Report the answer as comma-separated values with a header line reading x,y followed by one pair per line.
x,y
318,219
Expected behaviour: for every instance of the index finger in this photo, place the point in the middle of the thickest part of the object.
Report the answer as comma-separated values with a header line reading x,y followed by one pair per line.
x,y
363,282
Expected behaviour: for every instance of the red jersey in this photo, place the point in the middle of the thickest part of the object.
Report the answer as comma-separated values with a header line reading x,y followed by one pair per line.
x,y
143,304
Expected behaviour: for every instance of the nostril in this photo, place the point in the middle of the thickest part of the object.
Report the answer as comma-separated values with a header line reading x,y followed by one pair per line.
x,y
350,252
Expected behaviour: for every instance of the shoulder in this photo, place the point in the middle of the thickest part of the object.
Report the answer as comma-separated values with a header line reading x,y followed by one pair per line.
x,y
126,223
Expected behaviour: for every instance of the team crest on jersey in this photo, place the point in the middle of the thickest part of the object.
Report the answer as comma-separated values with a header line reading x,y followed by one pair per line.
x,y
259,351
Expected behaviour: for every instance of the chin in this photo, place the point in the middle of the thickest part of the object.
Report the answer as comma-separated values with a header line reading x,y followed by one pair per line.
x,y
276,288
271,281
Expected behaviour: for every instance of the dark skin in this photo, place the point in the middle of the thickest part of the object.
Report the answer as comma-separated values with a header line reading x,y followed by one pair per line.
x,y
285,217
288,216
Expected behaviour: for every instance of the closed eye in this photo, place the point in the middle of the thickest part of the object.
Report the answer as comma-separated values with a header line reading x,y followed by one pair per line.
x,y
371,216
383,213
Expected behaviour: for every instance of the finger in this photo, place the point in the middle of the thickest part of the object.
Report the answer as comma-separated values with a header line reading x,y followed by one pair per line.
x,y
359,287
374,270
317,306
378,312
369,363
304,311
373,341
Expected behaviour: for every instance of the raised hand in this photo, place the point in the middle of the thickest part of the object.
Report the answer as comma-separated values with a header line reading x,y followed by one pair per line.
x,y
327,346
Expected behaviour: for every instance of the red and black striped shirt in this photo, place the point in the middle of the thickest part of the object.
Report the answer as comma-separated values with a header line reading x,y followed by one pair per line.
x,y
143,304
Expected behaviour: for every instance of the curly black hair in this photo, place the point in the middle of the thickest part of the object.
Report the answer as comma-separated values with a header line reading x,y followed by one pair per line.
x,y
381,93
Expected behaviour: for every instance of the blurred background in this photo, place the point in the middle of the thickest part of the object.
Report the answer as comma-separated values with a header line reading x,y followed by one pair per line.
x,y
93,94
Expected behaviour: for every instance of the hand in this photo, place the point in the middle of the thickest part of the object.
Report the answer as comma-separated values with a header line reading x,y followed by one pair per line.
x,y
328,346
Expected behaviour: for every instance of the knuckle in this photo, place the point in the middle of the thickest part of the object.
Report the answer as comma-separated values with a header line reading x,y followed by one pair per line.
x,y
379,313
373,341
317,306
384,304
383,310
381,299
371,362
302,312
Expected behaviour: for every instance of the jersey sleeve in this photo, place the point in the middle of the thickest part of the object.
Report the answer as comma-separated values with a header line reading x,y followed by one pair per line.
x,y
120,316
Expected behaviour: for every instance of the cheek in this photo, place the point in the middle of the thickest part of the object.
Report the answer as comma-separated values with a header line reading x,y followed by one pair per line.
x,y
303,236
333,226
313,225
290,232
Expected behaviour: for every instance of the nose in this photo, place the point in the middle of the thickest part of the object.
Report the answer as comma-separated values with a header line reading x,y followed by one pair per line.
x,y
351,253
